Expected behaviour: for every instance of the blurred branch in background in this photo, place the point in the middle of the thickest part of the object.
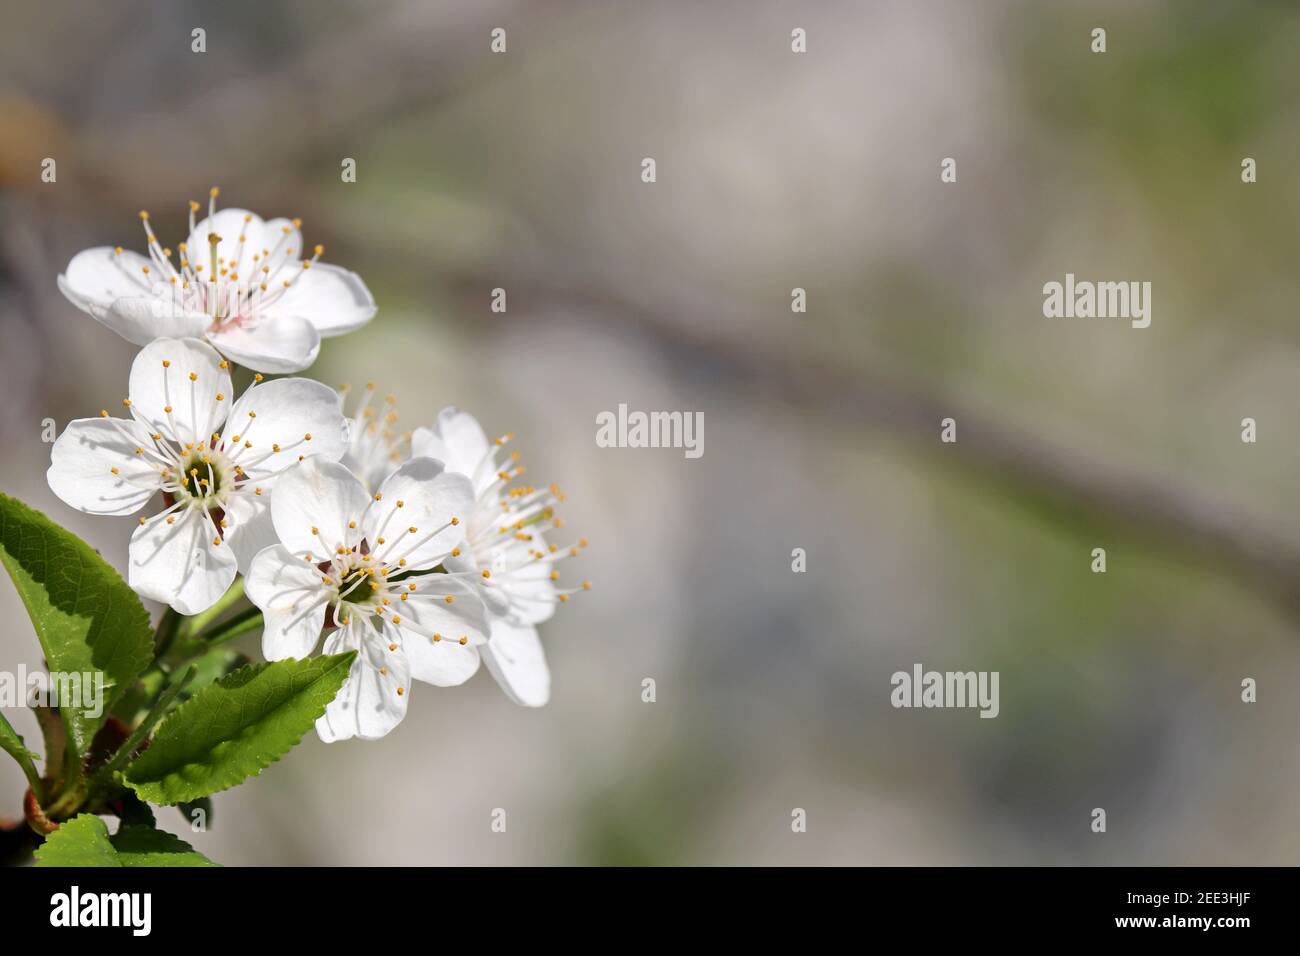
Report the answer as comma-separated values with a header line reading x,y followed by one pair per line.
x,y
1188,520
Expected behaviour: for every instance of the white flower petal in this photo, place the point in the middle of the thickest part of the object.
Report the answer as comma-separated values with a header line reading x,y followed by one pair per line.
x,y
292,598
332,299
285,412
525,583
429,499
248,526
457,440
178,563
442,663
276,344
427,611
230,225
278,231
368,705
174,388
318,494
142,318
514,656
84,457
489,592
100,276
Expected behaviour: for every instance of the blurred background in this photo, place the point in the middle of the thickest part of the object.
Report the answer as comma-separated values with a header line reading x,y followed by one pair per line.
x,y
775,170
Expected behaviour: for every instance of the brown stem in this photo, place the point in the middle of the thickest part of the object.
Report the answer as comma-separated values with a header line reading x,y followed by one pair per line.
x,y
36,818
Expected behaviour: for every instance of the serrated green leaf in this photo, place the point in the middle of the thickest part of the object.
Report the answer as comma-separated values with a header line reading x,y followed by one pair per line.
x,y
82,841
145,846
87,619
236,728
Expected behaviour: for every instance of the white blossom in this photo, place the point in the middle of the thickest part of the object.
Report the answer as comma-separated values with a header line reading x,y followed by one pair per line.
x,y
214,460
368,567
242,283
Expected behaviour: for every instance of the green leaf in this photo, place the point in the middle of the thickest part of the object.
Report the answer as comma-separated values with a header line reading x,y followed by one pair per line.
x,y
211,667
236,728
87,619
12,744
82,841
145,846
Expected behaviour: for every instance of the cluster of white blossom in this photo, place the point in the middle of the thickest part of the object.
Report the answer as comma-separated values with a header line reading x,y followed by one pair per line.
x,y
421,551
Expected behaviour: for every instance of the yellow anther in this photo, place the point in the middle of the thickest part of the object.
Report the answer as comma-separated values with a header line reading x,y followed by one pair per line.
x,y
220,397
113,469
448,599
455,521
487,573
144,215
